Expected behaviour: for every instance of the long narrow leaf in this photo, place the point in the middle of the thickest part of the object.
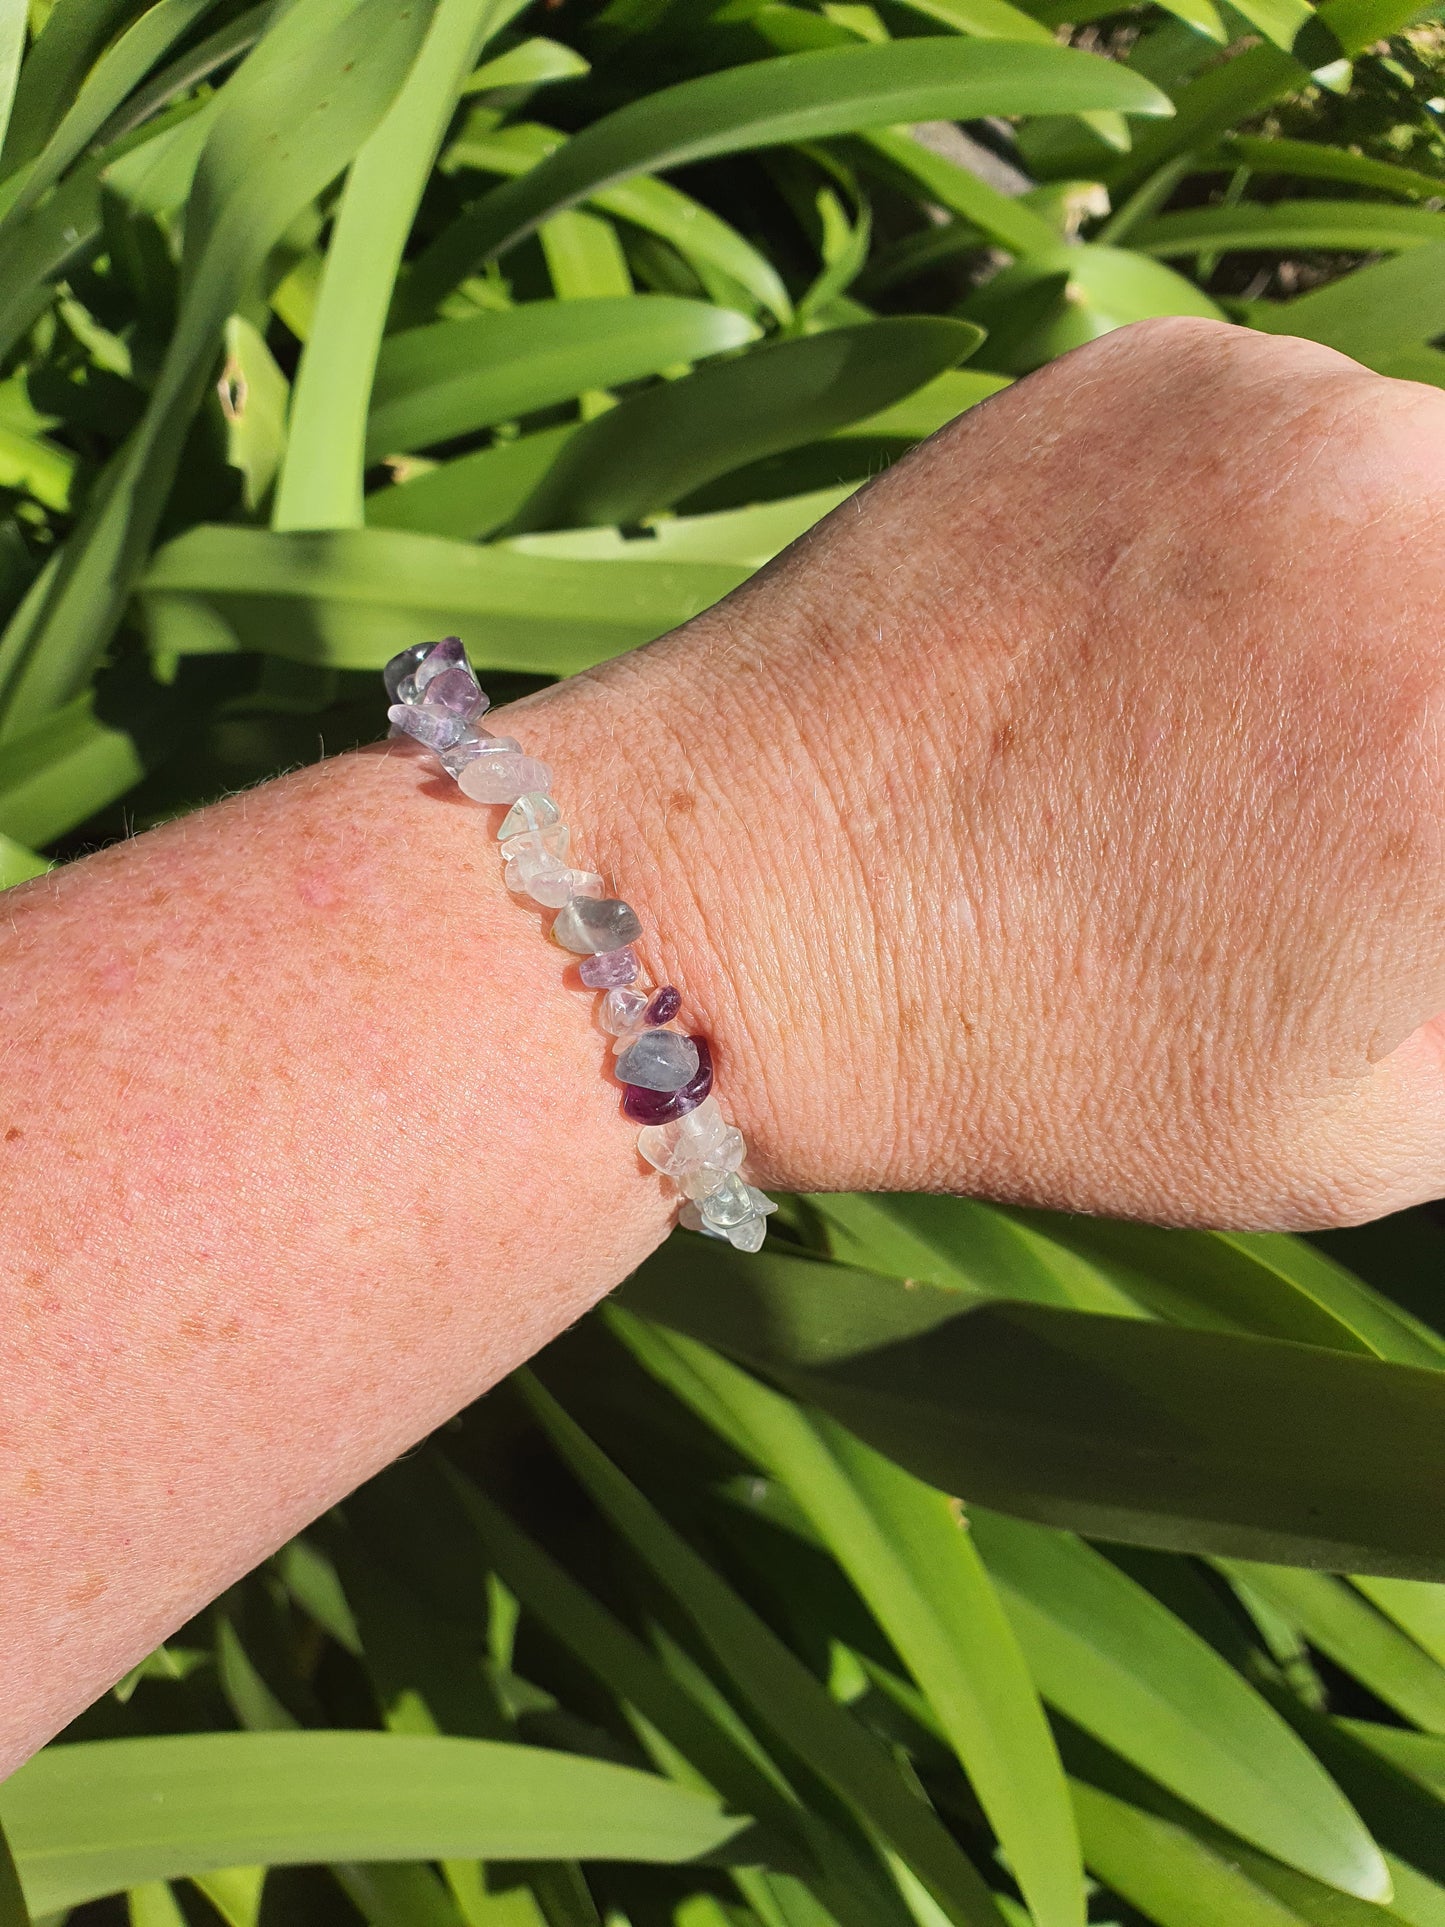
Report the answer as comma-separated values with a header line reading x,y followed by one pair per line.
x,y
1121,1666
323,76
320,482
780,1689
798,97
910,1557
87,1819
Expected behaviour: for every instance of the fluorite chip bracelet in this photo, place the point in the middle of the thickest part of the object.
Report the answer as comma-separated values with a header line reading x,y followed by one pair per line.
x,y
664,1068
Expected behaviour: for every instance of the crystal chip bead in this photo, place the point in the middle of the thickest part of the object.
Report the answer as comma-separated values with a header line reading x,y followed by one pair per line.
x,y
442,656
551,841
403,667
673,1147
609,969
698,1178
503,775
456,689
542,877
437,728
622,1010
588,926
691,1219
661,1107
659,1060
534,811
665,1005
747,1236
729,1204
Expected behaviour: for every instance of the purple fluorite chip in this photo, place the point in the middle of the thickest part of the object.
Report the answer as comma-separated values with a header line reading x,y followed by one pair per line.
x,y
665,1005
456,689
443,655
437,728
609,970
661,1107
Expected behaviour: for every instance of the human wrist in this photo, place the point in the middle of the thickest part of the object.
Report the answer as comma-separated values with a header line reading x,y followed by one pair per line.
x,y
703,802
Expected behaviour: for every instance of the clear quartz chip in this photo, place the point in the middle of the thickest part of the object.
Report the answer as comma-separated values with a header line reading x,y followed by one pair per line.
x,y
502,775
729,1204
553,839
674,1147
621,1013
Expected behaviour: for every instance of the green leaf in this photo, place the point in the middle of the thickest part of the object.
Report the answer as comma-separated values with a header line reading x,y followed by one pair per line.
x,y
1107,1654
1280,21
1166,1872
1311,161
1004,218
323,75
699,1747
234,1892
113,79
529,64
909,1555
37,467
254,394
1420,1755
1416,1608
968,1245
658,446
1371,314
13,1911
775,1683
1350,1631
806,96
320,485
350,598
13,17
1355,226
454,377
584,256
473,495
1261,1282
90,1818
656,207
1231,91
745,537
74,34
1260,1449
989,19
1051,302
62,771
154,1905
17,864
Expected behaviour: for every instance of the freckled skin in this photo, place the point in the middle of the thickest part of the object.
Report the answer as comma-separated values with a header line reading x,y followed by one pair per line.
x,y
1059,821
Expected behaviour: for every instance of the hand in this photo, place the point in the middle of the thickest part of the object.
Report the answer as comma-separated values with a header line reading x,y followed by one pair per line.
x,y
1060,820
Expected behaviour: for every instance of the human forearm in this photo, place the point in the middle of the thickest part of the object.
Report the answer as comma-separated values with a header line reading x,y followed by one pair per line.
x,y
307,1141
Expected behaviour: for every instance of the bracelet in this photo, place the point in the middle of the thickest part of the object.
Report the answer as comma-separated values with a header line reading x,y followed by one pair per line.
x,y
665,1070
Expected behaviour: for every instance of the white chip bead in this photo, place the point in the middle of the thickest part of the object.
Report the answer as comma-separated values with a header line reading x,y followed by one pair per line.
x,y
747,1236
542,877
503,776
675,1147
621,1013
534,810
691,1219
553,839
704,1176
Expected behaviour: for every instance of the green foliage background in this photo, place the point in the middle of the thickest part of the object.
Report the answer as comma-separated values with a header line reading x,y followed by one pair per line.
x,y
946,1563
